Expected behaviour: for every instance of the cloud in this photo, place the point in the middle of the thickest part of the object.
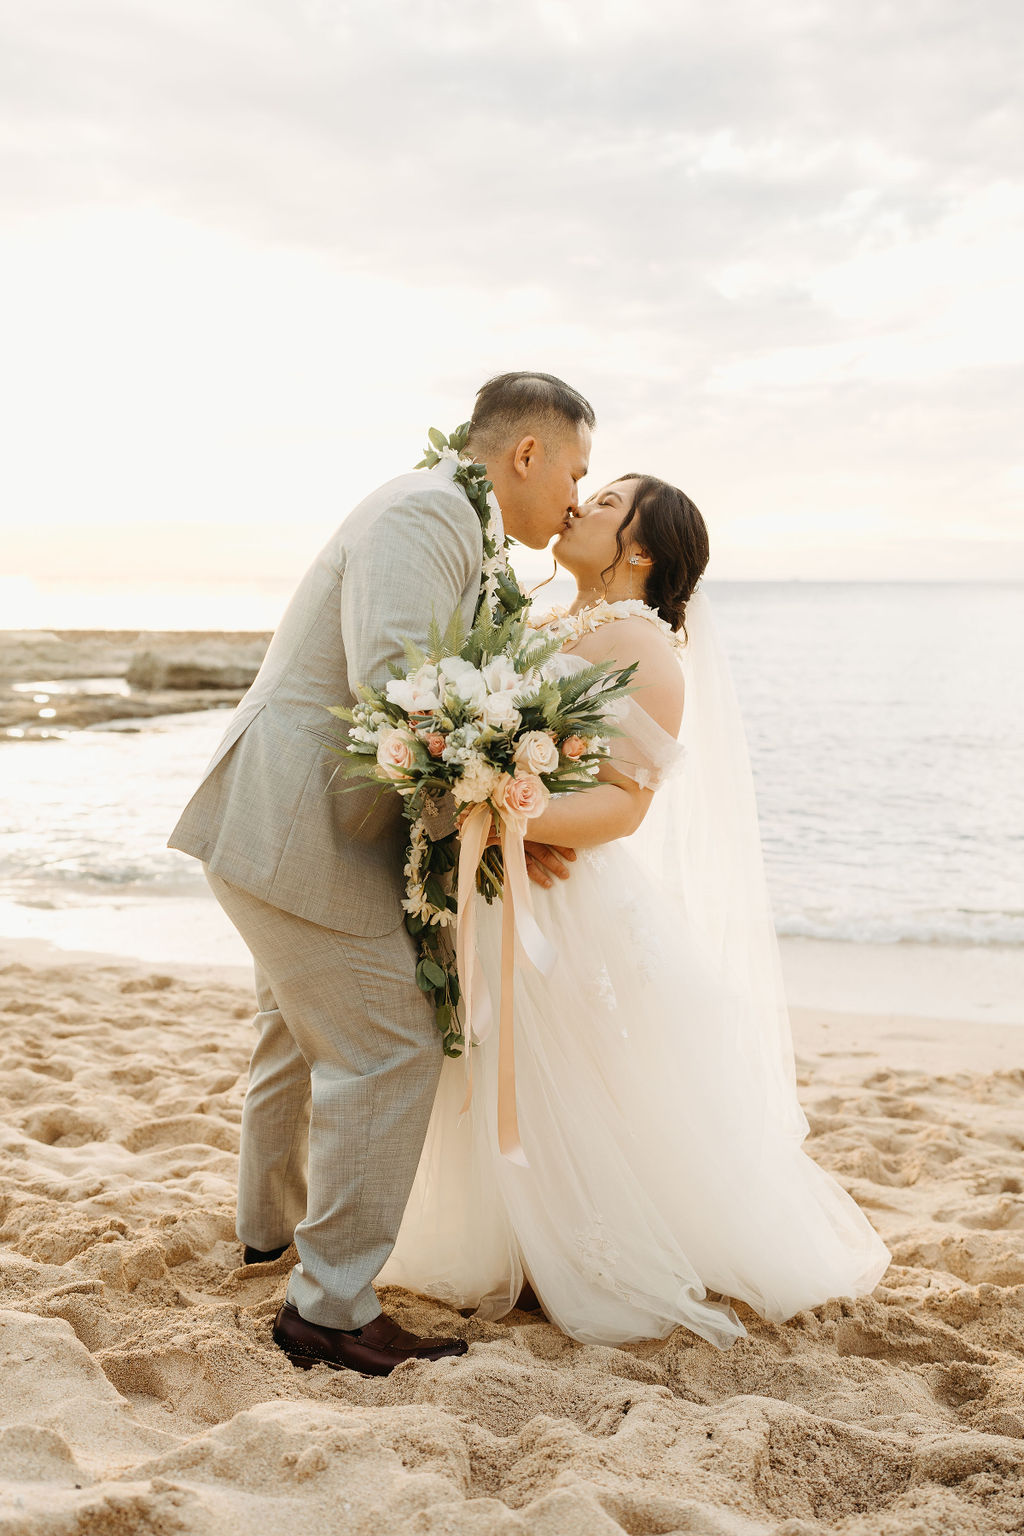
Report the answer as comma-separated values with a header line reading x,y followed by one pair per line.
x,y
780,246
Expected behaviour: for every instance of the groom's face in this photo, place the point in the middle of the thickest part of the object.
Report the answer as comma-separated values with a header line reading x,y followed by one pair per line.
x,y
549,477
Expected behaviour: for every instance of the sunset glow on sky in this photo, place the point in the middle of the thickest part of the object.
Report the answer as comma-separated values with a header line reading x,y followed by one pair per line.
x,y
250,253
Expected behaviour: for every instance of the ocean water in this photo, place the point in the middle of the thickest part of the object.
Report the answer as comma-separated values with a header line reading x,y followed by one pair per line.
x,y
886,731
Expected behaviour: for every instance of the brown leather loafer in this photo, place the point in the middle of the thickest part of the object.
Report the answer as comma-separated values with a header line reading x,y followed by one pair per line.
x,y
261,1256
374,1349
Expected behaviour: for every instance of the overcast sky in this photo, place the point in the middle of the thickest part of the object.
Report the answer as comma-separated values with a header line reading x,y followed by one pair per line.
x,y
249,252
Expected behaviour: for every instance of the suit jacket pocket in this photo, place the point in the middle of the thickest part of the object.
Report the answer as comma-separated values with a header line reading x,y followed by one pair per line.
x,y
324,736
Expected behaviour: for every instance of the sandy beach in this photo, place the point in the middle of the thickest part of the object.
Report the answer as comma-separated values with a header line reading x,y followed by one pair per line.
x,y
141,1390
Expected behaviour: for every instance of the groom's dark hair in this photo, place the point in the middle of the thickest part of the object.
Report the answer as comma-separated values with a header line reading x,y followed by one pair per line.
x,y
510,405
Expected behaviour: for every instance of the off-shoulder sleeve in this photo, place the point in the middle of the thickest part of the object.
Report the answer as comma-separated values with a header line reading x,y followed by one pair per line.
x,y
644,752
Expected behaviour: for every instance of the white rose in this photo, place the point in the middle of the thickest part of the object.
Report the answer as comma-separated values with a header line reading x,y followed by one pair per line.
x,y
500,675
454,666
463,681
416,694
400,691
500,713
536,752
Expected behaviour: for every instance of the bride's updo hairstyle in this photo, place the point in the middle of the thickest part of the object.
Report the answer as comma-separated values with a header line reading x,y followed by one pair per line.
x,y
665,522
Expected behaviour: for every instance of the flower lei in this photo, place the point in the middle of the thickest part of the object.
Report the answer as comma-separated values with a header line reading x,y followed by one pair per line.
x,y
499,589
564,624
429,906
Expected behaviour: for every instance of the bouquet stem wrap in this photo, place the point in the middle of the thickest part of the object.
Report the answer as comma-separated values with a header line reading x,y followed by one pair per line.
x,y
517,923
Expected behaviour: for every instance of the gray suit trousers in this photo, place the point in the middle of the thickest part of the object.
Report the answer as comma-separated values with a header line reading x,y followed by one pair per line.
x,y
342,1080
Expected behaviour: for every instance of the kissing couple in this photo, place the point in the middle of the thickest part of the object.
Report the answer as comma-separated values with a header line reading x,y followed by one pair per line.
x,y
656,1088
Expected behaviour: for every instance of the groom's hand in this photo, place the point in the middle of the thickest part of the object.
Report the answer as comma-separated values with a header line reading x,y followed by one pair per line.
x,y
544,860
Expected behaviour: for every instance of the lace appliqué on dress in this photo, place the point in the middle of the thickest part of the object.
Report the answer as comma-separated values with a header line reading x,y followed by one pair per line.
x,y
653,777
601,992
647,952
598,1256
440,1290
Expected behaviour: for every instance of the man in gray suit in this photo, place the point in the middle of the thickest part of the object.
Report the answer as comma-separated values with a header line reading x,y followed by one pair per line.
x,y
347,1058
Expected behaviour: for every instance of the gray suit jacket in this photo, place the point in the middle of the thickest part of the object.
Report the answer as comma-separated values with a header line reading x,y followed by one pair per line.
x,y
265,816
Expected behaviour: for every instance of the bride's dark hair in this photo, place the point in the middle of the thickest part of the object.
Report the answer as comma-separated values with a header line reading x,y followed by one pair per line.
x,y
665,522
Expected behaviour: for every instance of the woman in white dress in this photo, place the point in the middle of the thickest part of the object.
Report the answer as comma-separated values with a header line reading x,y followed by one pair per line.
x,y
654,1067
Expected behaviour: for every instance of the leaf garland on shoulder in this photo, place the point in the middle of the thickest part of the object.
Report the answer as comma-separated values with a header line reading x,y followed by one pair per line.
x,y
563,708
500,592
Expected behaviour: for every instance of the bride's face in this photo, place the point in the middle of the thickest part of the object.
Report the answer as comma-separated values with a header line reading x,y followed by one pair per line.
x,y
586,545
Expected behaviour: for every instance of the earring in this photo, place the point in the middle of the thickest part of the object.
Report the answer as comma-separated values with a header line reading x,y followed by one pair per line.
x,y
634,561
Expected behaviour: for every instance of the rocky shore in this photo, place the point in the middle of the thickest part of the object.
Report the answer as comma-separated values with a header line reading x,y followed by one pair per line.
x,y
54,681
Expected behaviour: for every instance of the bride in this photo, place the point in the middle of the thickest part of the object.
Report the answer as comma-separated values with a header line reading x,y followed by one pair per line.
x,y
654,1067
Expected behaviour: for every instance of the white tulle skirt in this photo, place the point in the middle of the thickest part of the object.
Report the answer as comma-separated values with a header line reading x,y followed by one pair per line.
x,y
656,1174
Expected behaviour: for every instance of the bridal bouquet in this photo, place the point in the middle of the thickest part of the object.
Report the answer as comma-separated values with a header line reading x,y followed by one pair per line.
x,y
483,728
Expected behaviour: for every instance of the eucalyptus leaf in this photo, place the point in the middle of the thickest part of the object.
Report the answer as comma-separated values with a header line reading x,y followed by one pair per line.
x,y
431,969
422,979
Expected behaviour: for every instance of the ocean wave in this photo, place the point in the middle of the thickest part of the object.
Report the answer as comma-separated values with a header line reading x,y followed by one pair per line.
x,y
986,929
890,803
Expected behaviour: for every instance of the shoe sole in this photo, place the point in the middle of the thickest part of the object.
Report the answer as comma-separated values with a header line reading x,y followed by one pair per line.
x,y
307,1362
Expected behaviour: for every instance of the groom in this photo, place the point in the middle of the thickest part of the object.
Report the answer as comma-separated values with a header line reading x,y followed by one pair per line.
x,y
347,1058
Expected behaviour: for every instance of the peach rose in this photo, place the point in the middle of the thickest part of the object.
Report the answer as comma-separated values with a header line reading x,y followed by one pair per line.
x,y
435,743
525,795
573,747
394,753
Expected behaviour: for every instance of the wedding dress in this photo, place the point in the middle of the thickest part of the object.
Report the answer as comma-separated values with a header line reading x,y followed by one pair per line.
x,y
655,1079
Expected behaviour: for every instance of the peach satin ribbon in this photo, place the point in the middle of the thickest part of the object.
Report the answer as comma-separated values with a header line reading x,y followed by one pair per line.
x,y
517,921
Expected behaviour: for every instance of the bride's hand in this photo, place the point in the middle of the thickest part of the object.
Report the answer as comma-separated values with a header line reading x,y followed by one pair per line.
x,y
542,859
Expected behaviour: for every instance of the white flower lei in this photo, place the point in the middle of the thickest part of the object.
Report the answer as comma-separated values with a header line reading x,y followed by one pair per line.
x,y
565,625
500,592
416,902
